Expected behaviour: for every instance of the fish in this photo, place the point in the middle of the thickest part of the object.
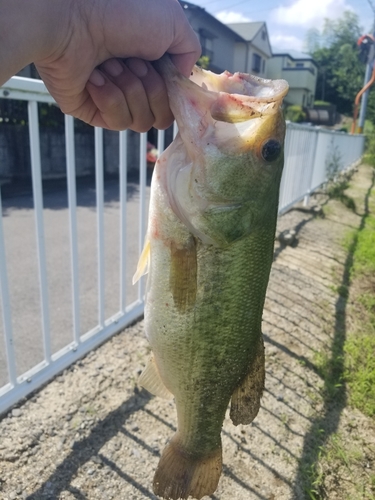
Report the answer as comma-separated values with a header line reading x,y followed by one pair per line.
x,y
208,255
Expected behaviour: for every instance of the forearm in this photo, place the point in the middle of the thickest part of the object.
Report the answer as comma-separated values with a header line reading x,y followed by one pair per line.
x,y
27,29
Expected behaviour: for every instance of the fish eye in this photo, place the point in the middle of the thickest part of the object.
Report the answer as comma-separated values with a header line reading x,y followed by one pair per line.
x,y
271,150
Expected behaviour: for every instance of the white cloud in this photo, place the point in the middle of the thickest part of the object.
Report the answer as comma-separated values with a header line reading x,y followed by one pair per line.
x,y
309,13
228,16
285,42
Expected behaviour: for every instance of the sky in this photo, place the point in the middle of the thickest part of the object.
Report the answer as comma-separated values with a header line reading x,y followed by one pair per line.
x,y
288,20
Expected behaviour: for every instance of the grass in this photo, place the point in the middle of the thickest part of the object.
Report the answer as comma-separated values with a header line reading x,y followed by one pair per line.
x,y
360,345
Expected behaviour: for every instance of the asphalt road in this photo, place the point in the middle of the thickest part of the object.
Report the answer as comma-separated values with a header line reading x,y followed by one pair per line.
x,y
22,266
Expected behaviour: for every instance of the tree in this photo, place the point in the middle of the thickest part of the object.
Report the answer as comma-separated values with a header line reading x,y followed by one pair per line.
x,y
340,72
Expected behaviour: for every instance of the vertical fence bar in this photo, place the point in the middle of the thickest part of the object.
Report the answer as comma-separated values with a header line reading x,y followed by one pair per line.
x,y
161,141
175,129
123,165
311,168
99,177
5,304
38,207
142,203
72,201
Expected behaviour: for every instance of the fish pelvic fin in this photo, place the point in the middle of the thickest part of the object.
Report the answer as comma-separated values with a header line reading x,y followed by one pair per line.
x,y
180,474
245,402
151,381
143,262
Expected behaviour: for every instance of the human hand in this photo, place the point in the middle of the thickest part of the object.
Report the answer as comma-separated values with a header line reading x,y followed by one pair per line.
x,y
94,58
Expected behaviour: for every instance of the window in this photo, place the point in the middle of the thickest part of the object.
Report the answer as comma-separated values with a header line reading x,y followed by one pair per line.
x,y
299,65
263,66
207,43
264,36
257,61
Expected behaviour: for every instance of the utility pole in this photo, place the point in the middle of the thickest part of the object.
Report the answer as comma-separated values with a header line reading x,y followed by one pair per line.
x,y
369,70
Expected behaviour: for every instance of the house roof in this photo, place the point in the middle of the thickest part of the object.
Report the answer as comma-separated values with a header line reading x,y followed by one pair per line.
x,y
201,10
295,55
247,31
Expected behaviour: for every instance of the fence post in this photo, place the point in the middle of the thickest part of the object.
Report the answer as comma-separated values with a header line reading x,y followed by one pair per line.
x,y
306,199
38,204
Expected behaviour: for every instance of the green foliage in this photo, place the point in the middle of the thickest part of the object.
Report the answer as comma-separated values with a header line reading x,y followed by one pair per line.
x,y
360,345
340,72
322,103
295,113
360,365
337,190
203,62
370,149
364,258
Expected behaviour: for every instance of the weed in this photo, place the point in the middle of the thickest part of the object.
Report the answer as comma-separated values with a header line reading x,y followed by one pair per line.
x,y
337,190
359,347
360,371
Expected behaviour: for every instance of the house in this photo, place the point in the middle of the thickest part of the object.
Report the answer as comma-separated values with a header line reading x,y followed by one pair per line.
x,y
253,52
300,71
218,41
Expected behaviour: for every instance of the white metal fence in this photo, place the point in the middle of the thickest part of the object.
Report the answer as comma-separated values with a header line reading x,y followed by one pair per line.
x,y
311,154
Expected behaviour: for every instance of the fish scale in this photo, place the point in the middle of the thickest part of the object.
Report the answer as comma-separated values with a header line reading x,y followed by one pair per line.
x,y
208,255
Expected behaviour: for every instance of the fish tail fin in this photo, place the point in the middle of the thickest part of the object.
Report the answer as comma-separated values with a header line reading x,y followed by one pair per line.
x,y
180,474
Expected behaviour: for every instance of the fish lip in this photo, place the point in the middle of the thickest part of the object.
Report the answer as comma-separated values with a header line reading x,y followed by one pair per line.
x,y
199,77
279,88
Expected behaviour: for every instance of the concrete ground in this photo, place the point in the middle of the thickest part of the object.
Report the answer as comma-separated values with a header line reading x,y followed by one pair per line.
x,y
22,264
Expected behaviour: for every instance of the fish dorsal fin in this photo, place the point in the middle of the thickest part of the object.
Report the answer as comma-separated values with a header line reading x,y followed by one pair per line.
x,y
151,381
143,262
245,402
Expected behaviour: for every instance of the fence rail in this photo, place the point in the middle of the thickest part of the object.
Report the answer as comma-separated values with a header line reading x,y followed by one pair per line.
x,y
311,155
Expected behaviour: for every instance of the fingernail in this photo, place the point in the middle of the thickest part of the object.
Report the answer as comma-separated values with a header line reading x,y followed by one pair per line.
x,y
112,67
138,67
96,78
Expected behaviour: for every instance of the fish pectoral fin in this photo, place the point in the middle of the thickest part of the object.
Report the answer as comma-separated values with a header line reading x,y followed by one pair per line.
x,y
143,262
245,402
183,275
151,381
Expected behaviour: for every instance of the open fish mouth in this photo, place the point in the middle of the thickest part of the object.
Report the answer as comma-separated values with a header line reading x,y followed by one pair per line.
x,y
234,97
241,96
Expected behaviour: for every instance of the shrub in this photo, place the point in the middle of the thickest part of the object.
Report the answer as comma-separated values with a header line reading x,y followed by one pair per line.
x,y
295,113
322,103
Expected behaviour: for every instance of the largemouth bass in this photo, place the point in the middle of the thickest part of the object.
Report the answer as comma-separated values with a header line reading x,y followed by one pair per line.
x,y
209,249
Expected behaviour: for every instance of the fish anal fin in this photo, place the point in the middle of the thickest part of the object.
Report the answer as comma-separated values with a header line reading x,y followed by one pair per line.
x,y
245,402
143,262
183,274
151,381
180,474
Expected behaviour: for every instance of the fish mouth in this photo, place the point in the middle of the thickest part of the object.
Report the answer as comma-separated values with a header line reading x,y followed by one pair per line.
x,y
235,97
